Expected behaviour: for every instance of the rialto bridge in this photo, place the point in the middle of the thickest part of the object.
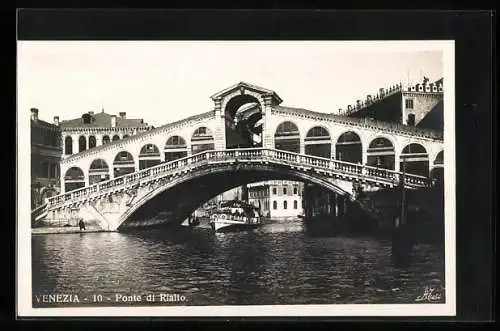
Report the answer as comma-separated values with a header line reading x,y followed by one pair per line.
x,y
247,137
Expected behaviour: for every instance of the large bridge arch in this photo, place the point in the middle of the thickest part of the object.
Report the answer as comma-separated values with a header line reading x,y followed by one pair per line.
x,y
243,127
248,174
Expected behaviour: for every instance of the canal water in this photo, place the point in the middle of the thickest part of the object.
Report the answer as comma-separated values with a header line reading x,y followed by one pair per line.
x,y
278,263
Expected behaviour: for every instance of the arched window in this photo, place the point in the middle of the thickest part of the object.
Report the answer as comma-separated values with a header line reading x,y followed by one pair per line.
x,y
287,137
175,148
381,153
68,145
295,204
317,142
411,120
92,142
285,204
82,143
105,140
275,205
116,137
348,148
125,136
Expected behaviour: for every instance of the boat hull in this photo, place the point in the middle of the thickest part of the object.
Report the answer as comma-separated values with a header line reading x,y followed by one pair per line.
x,y
221,226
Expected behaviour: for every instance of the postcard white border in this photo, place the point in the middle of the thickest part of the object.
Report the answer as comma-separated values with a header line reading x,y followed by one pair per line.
x,y
23,272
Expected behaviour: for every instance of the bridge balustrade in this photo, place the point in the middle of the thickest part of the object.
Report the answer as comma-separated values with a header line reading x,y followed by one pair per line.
x,y
239,154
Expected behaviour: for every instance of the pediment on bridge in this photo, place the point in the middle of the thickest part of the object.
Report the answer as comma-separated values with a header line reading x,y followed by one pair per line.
x,y
243,87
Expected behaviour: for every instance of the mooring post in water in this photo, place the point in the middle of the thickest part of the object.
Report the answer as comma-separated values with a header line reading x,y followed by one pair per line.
x,y
401,243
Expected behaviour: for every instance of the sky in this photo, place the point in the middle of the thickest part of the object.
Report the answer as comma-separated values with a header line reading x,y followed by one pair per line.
x,y
166,81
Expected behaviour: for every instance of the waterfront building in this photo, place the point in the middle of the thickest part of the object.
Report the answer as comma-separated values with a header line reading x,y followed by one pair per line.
x,y
277,198
45,156
419,105
96,129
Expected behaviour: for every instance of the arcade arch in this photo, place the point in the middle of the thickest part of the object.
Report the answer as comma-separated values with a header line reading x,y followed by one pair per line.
x,y
123,164
98,171
202,140
73,179
349,148
414,160
149,156
243,122
287,137
318,142
381,153
175,148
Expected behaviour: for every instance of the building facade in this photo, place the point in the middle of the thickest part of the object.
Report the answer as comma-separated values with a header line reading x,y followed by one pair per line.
x,y
45,157
419,105
277,198
96,129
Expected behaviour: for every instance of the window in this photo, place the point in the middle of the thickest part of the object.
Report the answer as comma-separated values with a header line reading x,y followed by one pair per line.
x,y
409,103
285,204
284,191
411,119
295,204
295,190
274,192
275,205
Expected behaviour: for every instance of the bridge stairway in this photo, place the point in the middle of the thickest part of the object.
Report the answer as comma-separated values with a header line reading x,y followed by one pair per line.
x,y
38,214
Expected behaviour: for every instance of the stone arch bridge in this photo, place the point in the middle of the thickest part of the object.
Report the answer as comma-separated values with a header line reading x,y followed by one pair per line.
x,y
247,137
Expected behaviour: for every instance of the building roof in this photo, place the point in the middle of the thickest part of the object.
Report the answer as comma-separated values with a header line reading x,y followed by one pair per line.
x,y
44,124
103,120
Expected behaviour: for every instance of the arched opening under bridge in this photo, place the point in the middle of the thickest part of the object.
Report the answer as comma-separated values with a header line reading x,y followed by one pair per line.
x,y
177,198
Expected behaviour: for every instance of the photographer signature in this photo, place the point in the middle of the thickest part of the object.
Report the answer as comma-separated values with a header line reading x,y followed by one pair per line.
x,y
429,294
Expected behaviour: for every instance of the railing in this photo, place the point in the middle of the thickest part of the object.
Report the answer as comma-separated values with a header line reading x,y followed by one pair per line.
x,y
378,175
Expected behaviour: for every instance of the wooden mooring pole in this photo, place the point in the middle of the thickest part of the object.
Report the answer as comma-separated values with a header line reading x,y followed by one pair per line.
x,y
401,239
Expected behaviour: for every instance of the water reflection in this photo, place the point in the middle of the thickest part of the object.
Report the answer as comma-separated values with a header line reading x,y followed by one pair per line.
x,y
279,263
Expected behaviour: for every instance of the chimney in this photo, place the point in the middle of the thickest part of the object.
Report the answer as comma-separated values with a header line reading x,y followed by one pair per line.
x,y
382,92
123,115
358,103
56,120
34,114
113,121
